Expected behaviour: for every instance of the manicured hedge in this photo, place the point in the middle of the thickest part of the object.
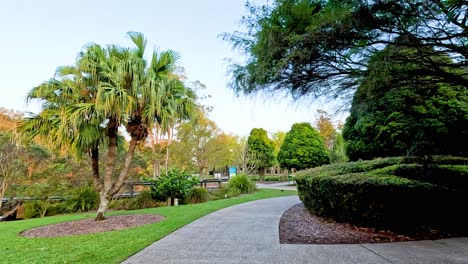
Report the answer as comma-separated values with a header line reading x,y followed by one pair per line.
x,y
388,193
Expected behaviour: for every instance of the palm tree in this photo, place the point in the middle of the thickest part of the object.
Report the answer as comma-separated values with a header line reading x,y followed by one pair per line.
x,y
87,105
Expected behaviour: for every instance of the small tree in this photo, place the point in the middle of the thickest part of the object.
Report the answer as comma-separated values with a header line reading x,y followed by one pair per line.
x,y
173,184
260,146
303,148
246,160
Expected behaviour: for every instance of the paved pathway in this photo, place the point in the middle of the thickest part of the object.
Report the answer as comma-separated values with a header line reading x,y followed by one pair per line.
x,y
248,233
279,186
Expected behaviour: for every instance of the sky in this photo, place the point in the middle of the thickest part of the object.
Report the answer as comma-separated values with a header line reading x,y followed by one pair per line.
x,y
39,36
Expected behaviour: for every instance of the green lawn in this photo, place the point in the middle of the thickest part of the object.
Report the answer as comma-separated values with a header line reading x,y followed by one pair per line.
x,y
107,247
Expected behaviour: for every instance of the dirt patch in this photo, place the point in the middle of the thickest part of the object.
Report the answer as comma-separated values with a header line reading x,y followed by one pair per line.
x,y
88,226
299,226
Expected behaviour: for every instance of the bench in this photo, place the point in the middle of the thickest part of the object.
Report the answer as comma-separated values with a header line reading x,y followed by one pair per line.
x,y
204,182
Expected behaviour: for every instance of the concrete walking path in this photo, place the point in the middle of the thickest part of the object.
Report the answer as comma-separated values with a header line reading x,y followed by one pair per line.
x,y
279,186
248,233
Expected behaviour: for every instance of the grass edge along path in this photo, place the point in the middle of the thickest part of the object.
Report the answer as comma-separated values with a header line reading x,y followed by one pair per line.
x,y
107,247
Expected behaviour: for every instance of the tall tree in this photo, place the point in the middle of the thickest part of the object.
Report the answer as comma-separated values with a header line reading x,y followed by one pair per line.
x,y
108,89
326,128
303,148
322,47
196,140
395,113
261,148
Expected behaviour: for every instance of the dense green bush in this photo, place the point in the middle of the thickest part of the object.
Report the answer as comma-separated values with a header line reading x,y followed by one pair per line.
x,y
242,183
388,193
173,184
197,195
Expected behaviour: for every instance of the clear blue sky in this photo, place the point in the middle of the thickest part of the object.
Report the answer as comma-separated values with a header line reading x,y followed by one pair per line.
x,y
39,36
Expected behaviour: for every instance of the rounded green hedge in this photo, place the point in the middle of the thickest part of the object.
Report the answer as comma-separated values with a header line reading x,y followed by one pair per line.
x,y
393,193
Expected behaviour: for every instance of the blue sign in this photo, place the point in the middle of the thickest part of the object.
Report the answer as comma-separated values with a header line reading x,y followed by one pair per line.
x,y
232,171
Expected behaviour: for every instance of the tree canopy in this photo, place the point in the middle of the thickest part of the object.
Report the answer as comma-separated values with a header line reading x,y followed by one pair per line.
x,y
261,148
395,113
86,105
323,47
303,148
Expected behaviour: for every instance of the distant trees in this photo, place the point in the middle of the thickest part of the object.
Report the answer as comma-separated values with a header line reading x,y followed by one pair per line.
x,y
331,134
12,167
109,88
303,148
201,144
260,147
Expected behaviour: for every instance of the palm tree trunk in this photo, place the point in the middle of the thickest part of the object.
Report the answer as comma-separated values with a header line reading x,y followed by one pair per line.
x,y
167,158
95,167
124,172
112,129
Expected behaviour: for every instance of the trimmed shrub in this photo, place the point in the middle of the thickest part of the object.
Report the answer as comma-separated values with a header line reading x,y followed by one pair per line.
x,y
242,183
197,195
387,194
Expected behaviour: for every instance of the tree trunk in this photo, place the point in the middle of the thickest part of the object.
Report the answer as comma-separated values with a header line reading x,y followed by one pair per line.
x,y
167,157
103,205
156,168
3,188
95,165
200,173
172,201
124,172
112,129
261,172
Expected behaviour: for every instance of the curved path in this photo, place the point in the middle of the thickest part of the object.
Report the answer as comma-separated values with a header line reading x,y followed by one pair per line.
x,y
248,233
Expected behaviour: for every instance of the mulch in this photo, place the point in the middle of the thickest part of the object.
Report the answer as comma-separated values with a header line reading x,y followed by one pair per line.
x,y
88,226
299,226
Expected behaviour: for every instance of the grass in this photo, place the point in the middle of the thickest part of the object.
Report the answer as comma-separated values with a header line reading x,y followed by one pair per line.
x,y
106,247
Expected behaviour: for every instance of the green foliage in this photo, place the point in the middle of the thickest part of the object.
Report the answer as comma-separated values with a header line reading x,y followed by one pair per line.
x,y
141,201
197,195
84,199
395,113
173,184
269,178
42,209
303,148
395,193
338,151
260,146
322,47
242,183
